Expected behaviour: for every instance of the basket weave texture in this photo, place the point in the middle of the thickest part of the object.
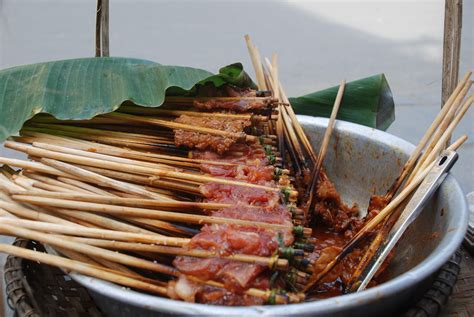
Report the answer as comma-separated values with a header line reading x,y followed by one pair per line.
x,y
36,290
461,303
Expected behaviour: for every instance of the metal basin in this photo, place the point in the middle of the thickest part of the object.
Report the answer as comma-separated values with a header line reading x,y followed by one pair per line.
x,y
360,161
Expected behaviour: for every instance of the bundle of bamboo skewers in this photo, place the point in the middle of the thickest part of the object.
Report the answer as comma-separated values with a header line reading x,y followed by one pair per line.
x,y
119,183
97,202
117,199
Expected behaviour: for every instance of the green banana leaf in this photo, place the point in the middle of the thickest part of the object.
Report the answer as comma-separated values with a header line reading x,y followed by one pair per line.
x,y
367,101
86,87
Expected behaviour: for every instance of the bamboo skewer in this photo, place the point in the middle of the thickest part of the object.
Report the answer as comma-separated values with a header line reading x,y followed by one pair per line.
x,y
165,145
297,126
292,138
88,188
63,187
275,78
159,225
83,268
123,127
330,128
154,223
108,223
299,170
310,194
117,151
102,180
287,134
108,266
24,212
288,112
156,113
458,101
146,213
85,249
181,99
272,262
175,113
101,221
279,299
25,183
133,178
99,156
273,84
289,119
87,134
79,257
120,167
425,139
131,202
33,166
7,185
96,232
176,125
444,138
11,226
257,65
103,264
32,183
133,137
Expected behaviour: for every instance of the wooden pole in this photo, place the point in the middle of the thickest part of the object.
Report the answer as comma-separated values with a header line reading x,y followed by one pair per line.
x,y
102,29
105,28
98,21
451,46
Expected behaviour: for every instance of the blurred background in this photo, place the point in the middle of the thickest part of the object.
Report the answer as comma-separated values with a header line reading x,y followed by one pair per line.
x,y
318,42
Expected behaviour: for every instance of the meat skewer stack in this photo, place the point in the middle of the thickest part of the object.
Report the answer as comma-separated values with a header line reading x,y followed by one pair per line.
x,y
127,182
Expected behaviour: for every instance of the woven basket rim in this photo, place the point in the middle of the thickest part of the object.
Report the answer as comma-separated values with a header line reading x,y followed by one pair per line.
x,y
18,296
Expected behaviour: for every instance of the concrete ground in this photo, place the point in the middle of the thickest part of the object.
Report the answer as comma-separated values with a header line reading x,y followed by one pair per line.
x,y
318,42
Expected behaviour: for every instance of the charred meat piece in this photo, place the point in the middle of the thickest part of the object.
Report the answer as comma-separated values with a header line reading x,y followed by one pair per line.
x,y
249,173
330,208
203,141
238,153
223,193
228,239
278,214
242,104
190,291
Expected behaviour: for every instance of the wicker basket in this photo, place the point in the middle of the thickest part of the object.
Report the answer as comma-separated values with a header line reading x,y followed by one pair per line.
x,y
36,290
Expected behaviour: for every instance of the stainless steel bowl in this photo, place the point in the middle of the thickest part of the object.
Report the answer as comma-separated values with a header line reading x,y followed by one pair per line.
x,y
360,161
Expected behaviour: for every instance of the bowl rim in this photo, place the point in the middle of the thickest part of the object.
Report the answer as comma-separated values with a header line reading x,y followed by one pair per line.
x,y
440,255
